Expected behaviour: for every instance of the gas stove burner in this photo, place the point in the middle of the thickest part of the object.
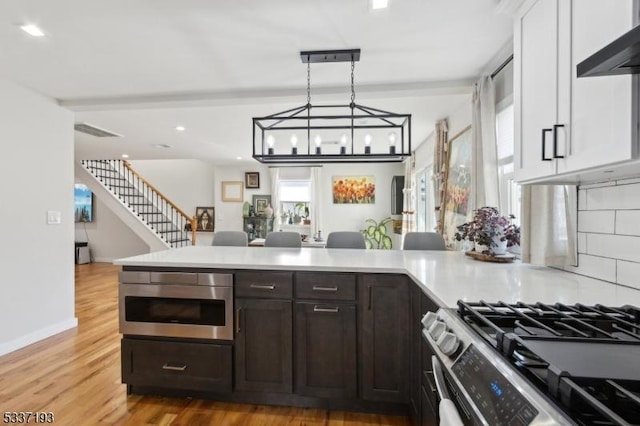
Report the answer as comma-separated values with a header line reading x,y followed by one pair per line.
x,y
585,358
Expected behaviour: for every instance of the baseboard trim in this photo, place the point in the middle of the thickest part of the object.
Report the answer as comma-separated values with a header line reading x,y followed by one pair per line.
x,y
37,335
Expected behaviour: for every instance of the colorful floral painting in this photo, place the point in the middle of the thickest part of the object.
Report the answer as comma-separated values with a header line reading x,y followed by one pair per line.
x,y
457,186
354,189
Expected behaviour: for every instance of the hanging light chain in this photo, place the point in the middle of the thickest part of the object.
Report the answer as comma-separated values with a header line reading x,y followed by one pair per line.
x,y
308,83
353,91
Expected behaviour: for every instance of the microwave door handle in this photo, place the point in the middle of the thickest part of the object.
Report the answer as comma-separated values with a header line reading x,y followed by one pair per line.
x,y
438,375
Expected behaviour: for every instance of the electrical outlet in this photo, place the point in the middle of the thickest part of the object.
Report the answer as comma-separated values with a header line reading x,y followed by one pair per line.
x,y
53,217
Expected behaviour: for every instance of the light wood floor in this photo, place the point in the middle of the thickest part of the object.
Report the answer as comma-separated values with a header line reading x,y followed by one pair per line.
x,y
76,375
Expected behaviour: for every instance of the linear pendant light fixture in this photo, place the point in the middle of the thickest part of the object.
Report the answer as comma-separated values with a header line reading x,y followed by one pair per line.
x,y
347,133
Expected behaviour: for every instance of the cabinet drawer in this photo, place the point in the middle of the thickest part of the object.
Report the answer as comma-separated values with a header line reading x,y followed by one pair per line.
x,y
261,284
325,286
176,365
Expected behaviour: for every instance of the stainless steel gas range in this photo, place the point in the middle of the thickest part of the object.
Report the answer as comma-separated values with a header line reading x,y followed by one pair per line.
x,y
536,364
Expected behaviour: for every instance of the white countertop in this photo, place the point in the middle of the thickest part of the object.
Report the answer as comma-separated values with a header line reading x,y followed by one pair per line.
x,y
446,276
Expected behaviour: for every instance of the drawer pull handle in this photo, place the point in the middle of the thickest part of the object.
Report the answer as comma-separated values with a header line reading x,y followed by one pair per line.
x,y
238,315
263,287
320,288
174,367
317,308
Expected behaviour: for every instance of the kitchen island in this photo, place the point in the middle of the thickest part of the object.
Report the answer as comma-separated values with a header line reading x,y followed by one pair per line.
x,y
325,328
444,276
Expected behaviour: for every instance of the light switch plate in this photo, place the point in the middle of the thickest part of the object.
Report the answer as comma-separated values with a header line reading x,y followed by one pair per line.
x,y
53,217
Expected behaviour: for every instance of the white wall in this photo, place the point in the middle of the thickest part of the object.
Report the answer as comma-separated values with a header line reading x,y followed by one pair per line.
x,y
229,213
36,170
187,183
609,232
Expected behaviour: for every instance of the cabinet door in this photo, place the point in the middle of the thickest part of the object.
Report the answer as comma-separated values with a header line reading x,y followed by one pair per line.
x,y
384,310
601,107
263,345
535,89
325,348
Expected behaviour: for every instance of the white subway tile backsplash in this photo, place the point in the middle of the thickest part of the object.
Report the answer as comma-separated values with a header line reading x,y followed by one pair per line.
x,y
621,247
628,222
582,242
620,197
629,274
609,232
601,221
582,199
596,267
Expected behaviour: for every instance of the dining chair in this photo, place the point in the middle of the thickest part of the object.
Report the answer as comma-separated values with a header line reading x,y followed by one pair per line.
x,y
230,238
345,239
283,239
423,241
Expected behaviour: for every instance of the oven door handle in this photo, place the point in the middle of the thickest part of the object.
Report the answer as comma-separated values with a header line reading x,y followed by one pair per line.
x,y
438,376
447,409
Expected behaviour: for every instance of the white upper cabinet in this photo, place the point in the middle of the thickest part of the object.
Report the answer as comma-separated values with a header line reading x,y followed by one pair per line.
x,y
564,125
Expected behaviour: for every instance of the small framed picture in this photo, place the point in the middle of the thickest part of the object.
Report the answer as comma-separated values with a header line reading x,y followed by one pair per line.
x,y
205,217
232,191
260,202
252,180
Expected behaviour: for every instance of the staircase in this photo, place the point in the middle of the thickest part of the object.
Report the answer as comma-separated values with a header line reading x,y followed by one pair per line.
x,y
165,219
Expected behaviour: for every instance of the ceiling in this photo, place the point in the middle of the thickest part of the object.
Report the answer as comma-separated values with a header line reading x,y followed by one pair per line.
x,y
140,68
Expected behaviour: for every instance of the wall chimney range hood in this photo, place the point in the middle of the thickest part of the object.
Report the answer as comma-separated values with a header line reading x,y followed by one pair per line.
x,y
622,56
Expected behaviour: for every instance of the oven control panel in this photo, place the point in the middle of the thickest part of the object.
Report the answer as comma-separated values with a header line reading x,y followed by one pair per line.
x,y
495,397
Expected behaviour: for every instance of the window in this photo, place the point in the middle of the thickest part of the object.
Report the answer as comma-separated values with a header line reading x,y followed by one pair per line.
x,y
510,191
295,200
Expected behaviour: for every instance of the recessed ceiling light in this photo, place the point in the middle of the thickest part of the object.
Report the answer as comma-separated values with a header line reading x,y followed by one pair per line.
x,y
379,4
125,155
180,128
161,145
238,158
32,30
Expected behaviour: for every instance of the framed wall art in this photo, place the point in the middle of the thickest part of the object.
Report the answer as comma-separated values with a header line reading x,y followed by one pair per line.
x,y
455,205
206,218
232,191
252,180
260,202
353,189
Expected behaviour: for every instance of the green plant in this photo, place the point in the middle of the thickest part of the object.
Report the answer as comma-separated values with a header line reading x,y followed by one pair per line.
x,y
375,234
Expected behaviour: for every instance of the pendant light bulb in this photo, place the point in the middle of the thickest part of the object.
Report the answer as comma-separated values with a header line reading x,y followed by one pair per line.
x,y
318,140
270,141
294,141
392,139
367,139
343,144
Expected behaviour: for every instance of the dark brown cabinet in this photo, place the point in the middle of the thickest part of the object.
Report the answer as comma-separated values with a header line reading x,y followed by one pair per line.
x,y
176,365
263,331
325,360
263,345
384,313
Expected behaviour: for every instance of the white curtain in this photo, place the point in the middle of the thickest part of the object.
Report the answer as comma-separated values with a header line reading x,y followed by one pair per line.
x,y
441,147
275,195
316,200
408,196
485,190
548,227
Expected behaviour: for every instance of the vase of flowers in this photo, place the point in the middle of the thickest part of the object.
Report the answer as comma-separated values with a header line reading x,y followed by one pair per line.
x,y
491,232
